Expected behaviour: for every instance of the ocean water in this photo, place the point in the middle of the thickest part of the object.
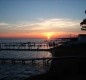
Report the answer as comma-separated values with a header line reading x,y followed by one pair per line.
x,y
21,40
19,71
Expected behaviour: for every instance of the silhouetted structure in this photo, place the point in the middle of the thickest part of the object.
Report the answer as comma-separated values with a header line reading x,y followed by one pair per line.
x,y
82,38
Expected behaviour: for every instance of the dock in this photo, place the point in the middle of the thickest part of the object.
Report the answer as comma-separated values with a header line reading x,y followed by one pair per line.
x,y
33,61
28,46
45,60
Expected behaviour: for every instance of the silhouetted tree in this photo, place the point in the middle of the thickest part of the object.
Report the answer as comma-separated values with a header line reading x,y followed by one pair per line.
x,y
83,23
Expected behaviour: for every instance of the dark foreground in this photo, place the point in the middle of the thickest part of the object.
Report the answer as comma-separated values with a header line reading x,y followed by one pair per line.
x,y
67,68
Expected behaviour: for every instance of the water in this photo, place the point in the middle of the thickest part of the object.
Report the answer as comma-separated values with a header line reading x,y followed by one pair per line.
x,y
21,71
21,40
24,54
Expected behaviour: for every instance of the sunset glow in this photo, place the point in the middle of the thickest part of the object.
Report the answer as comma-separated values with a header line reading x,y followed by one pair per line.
x,y
46,35
41,18
49,34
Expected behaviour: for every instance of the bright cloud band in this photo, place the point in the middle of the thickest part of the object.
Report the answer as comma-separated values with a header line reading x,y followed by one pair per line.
x,y
40,26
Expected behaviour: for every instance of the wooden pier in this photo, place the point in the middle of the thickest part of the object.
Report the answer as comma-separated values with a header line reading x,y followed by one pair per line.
x,y
23,60
43,60
26,46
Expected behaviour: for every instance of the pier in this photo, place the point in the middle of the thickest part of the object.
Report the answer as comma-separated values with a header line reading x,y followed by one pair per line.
x,y
33,61
44,60
30,46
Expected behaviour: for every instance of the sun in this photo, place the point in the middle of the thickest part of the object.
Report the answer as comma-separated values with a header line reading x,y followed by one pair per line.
x,y
48,37
48,34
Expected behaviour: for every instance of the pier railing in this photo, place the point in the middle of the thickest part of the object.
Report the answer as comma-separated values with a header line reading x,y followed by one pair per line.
x,y
44,61
26,46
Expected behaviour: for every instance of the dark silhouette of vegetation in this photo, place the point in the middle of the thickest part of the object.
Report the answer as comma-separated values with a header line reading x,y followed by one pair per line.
x,y
83,23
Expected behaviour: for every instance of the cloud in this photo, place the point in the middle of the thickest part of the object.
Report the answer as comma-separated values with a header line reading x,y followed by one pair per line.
x,y
42,25
3,24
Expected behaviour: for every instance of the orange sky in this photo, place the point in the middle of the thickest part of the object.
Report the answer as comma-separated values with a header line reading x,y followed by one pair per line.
x,y
45,28
20,35
46,35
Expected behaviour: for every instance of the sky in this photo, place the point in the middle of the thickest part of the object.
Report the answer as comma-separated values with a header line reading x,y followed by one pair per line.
x,y
41,18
